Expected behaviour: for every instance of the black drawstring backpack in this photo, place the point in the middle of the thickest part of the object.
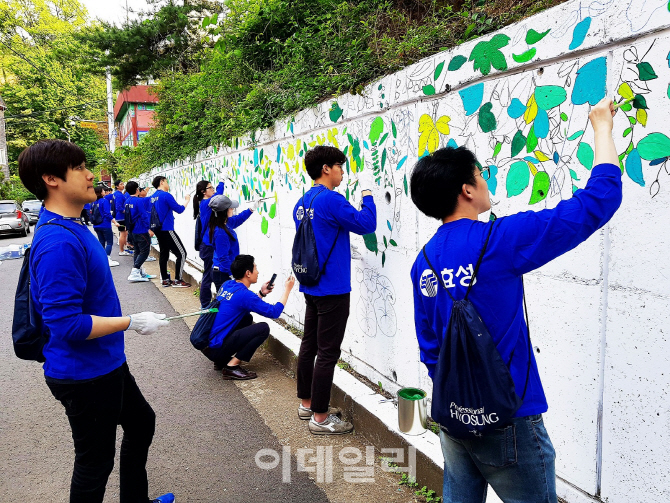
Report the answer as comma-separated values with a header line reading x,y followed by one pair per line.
x,y
203,327
305,259
473,390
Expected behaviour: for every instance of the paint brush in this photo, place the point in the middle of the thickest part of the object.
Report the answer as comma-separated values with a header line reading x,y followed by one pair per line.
x,y
197,313
634,99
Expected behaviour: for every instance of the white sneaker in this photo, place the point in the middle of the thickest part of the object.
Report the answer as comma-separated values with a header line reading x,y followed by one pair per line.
x,y
125,254
136,276
147,275
333,425
150,259
112,263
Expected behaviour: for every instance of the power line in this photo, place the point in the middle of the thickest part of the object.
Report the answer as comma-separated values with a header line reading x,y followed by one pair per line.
x,y
52,110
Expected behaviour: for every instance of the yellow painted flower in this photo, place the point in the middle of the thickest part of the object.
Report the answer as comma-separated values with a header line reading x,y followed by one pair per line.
x,y
430,132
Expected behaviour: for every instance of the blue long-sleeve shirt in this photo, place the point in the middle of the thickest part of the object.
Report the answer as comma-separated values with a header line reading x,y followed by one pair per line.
x,y
165,206
225,248
236,301
70,281
140,213
105,211
332,212
205,213
119,206
518,244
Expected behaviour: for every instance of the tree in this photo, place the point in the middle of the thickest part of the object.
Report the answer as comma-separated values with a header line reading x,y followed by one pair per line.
x,y
43,81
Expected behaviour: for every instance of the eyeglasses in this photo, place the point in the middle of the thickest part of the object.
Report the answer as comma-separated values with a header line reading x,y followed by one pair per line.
x,y
209,188
486,174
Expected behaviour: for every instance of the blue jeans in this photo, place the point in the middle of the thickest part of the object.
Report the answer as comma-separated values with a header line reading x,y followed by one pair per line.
x,y
142,247
106,238
517,461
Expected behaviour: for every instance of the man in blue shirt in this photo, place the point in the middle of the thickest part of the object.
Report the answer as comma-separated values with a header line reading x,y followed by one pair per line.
x,y
168,240
327,303
85,365
119,206
448,186
234,332
138,228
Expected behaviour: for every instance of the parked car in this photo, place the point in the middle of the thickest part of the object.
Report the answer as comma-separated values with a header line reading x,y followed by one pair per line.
x,y
13,219
32,207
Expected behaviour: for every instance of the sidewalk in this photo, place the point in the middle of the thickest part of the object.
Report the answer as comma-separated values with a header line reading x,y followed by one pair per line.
x,y
273,398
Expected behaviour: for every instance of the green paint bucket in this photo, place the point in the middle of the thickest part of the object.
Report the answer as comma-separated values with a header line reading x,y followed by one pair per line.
x,y
412,416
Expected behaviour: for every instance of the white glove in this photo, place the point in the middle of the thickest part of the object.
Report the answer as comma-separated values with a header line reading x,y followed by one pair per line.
x,y
366,179
147,323
255,205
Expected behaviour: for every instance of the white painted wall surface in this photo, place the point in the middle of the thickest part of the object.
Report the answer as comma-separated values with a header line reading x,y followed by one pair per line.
x,y
599,314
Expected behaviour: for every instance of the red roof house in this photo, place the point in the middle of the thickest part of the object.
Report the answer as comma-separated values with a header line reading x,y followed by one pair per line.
x,y
134,114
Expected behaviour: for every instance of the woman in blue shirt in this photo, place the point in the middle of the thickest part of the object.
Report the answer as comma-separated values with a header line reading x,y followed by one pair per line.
x,y
222,235
104,229
204,190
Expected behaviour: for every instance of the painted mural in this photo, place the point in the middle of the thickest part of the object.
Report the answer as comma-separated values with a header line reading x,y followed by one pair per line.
x,y
520,100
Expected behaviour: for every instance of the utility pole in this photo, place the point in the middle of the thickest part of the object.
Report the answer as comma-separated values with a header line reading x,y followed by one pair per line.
x,y
111,134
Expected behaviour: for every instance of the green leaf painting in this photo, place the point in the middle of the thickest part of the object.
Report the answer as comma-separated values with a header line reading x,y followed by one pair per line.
x,y
335,112
376,129
487,54
517,178
456,63
526,56
487,121
646,71
548,97
429,90
273,210
518,142
541,184
531,141
533,37
264,225
585,155
438,71
371,242
654,146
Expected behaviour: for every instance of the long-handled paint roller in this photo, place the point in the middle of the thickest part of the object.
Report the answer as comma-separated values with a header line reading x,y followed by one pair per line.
x,y
197,313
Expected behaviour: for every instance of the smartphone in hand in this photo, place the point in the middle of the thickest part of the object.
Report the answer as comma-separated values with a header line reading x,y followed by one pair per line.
x,y
272,280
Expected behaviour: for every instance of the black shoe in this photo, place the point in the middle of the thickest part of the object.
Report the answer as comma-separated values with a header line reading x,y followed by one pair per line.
x,y
238,374
166,282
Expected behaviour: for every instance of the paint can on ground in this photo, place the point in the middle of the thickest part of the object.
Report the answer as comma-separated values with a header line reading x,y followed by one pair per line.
x,y
412,418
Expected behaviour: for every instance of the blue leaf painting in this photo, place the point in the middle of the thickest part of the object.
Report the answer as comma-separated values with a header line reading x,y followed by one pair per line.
x,y
590,82
556,158
541,124
255,157
579,33
389,225
452,143
402,161
531,159
656,162
472,97
278,153
634,167
492,182
516,109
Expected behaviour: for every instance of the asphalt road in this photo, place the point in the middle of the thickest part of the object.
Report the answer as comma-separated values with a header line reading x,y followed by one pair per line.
x,y
207,433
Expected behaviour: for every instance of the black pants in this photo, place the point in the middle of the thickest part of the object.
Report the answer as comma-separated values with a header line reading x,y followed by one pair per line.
x,y
168,241
325,322
207,256
241,343
220,277
142,247
94,409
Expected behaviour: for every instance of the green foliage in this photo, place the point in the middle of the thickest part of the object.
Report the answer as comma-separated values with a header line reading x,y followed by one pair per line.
x,y
14,189
267,59
428,495
408,480
43,81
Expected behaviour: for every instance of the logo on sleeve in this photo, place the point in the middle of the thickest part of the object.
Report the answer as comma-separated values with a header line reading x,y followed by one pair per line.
x,y
428,283
300,213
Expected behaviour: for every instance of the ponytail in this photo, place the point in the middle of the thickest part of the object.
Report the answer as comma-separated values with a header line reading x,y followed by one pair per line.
x,y
200,190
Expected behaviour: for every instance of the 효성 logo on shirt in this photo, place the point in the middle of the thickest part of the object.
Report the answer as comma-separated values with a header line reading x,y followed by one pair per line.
x,y
300,213
428,283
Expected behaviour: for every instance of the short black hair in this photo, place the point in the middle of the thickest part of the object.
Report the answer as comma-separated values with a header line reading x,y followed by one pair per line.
x,y
320,155
47,157
117,183
438,178
241,265
157,181
98,191
132,187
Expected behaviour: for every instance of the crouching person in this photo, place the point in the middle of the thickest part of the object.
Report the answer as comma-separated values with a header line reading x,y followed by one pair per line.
x,y
234,337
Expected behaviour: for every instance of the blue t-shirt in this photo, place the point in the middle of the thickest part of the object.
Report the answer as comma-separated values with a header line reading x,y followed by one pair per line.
x,y
110,199
105,212
119,205
70,281
518,244
205,213
140,213
165,205
332,212
225,248
236,301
